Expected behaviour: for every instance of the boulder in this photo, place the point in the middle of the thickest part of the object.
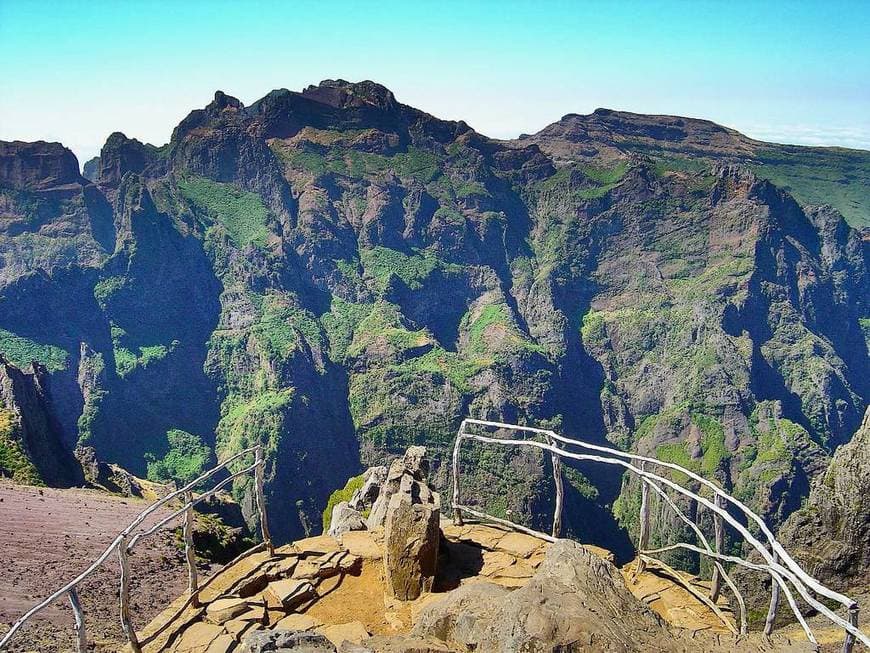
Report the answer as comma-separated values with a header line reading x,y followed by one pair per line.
x,y
291,592
344,519
365,497
396,644
410,514
575,601
457,616
223,610
353,632
410,546
281,641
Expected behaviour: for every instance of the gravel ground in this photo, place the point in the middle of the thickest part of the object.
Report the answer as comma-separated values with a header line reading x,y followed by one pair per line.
x,y
49,536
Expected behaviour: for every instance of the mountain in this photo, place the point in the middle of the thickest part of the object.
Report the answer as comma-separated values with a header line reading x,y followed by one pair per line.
x,y
835,176
337,275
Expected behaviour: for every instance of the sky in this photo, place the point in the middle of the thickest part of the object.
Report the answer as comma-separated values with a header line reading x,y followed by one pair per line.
x,y
793,72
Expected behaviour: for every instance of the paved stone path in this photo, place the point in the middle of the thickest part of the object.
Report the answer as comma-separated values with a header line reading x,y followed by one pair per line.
x,y
336,587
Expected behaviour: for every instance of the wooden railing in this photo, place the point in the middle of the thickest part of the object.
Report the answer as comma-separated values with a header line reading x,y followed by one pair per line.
x,y
127,539
784,571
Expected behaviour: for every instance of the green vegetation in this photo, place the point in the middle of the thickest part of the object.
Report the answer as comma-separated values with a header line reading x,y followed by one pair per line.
x,y
344,494
714,455
816,175
496,318
471,189
584,182
446,365
241,213
341,323
14,463
281,324
186,459
94,366
380,263
580,483
105,288
129,356
594,327
384,321
606,176
254,420
21,351
415,163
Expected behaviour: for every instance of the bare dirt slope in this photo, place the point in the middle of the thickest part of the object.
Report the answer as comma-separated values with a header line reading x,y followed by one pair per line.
x,y
49,536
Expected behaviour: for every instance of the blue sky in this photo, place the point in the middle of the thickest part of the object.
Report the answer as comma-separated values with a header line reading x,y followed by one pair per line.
x,y
784,71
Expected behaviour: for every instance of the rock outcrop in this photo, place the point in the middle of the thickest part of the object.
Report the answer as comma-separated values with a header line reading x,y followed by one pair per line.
x,y
364,498
411,546
406,475
411,526
575,601
830,534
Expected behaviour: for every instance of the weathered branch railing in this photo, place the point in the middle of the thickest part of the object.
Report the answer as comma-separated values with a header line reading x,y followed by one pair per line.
x,y
776,561
126,540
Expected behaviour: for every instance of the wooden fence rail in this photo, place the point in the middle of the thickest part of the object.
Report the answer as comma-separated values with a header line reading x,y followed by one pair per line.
x,y
126,540
776,561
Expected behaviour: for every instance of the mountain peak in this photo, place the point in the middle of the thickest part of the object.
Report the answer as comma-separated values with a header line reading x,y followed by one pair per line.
x,y
614,134
222,101
37,165
342,94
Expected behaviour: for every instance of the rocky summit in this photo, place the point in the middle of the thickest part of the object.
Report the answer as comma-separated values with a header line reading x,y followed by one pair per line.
x,y
337,275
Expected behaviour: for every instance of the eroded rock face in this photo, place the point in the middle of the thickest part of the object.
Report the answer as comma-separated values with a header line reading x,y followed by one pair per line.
x,y
335,262
29,432
37,165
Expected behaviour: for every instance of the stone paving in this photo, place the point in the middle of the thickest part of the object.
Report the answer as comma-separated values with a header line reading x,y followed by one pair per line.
x,y
335,587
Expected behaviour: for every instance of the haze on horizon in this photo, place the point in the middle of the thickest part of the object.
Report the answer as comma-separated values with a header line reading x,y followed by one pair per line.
x,y
782,72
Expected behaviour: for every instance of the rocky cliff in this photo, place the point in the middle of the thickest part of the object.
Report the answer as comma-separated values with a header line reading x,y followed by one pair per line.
x,y
830,534
337,275
31,450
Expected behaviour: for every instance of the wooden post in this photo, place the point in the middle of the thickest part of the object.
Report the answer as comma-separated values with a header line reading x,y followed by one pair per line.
x,y
643,535
261,499
849,642
457,513
719,543
124,593
774,602
560,492
189,551
81,636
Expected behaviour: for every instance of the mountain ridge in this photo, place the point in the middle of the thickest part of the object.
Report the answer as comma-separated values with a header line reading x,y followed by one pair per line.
x,y
340,277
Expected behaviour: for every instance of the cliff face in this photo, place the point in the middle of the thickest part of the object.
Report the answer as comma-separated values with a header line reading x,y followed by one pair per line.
x,y
337,275
830,534
30,445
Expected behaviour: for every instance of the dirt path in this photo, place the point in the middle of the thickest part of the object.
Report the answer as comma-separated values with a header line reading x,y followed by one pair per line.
x,y
48,536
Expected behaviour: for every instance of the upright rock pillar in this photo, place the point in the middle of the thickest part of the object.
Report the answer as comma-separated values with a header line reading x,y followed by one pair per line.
x,y
411,527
